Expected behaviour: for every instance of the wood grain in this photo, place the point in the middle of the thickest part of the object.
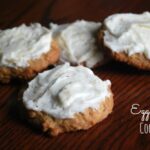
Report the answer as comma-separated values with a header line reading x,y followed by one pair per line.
x,y
121,129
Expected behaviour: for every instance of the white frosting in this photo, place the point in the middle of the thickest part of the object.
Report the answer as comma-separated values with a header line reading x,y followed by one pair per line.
x,y
65,90
21,44
78,42
129,33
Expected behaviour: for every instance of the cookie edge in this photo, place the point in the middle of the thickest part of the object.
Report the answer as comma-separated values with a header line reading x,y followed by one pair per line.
x,y
35,66
80,121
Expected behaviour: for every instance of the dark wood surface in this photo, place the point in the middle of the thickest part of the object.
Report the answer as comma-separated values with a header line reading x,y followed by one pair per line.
x,y
121,129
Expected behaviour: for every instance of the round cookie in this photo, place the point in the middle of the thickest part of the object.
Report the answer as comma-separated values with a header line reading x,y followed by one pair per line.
x,y
25,51
127,38
78,43
66,99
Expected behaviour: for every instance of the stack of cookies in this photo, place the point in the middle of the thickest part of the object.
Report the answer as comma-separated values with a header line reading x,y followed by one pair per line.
x,y
70,97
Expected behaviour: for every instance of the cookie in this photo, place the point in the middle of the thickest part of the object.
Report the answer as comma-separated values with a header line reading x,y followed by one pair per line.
x,y
127,37
67,98
25,51
78,43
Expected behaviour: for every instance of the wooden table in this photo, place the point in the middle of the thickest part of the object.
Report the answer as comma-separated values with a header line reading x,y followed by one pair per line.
x,y
121,129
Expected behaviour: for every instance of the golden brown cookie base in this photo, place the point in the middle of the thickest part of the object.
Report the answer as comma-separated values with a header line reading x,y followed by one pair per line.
x,y
137,60
81,121
35,66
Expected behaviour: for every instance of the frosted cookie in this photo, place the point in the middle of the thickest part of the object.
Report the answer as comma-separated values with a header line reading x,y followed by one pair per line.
x,y
127,36
78,43
25,51
67,98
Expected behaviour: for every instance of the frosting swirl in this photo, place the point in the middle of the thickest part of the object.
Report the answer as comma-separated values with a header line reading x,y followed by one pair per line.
x,y
65,90
77,42
21,44
129,33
